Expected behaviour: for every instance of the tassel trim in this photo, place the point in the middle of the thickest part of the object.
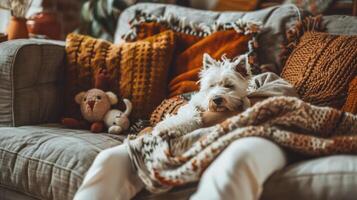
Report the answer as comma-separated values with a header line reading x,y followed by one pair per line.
x,y
183,25
294,34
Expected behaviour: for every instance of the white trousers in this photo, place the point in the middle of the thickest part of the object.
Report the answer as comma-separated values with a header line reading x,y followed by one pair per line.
x,y
238,173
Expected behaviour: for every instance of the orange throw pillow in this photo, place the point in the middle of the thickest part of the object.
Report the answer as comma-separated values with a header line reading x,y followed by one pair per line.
x,y
236,5
192,42
138,70
322,67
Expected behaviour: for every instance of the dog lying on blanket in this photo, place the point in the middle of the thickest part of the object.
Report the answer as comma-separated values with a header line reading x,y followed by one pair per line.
x,y
226,87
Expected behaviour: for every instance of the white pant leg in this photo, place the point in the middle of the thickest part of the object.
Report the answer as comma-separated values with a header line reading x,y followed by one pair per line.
x,y
240,171
110,177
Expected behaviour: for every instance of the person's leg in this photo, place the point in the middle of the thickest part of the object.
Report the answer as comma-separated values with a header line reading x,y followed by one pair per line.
x,y
240,171
110,177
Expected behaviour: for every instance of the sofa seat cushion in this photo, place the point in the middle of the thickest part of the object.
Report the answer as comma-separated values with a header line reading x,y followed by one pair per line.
x,y
326,178
48,161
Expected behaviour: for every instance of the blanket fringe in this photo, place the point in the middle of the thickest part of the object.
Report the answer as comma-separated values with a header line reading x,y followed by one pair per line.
x,y
294,34
185,26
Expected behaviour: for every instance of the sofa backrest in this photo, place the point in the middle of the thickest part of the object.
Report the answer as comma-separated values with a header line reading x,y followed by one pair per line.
x,y
276,20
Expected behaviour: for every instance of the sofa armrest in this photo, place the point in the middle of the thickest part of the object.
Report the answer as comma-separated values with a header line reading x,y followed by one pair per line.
x,y
31,74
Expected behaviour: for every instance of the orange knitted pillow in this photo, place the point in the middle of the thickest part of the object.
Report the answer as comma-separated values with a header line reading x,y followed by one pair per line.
x,y
321,67
193,40
138,70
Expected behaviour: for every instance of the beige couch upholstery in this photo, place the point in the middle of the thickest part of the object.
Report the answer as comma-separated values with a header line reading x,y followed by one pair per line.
x,y
46,161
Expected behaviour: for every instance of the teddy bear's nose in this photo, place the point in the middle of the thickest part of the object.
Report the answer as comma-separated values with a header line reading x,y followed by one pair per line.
x,y
91,104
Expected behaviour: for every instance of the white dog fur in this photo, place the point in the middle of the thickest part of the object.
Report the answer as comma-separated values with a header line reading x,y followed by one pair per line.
x,y
223,86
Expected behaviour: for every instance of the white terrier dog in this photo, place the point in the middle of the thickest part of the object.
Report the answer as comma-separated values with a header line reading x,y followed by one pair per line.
x,y
224,86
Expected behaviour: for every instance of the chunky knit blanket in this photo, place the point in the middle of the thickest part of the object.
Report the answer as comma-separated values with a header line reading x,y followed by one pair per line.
x,y
291,123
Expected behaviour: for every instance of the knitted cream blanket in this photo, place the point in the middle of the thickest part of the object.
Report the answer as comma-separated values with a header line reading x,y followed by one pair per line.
x,y
288,121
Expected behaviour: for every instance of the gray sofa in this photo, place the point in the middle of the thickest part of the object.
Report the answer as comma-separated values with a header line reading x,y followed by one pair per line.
x,y
39,159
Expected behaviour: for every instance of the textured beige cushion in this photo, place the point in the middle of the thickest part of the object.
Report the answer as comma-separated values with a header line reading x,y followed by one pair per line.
x,y
326,178
47,161
30,88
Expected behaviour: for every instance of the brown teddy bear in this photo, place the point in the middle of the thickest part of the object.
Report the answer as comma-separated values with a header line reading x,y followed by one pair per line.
x,y
94,104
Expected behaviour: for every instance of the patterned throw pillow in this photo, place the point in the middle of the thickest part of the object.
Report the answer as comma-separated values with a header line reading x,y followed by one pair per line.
x,y
167,107
322,66
138,70
193,40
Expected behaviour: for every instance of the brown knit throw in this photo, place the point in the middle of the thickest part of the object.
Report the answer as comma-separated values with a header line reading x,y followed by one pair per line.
x,y
289,122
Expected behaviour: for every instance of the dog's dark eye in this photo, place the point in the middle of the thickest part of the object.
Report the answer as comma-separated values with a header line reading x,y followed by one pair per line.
x,y
114,123
99,98
85,99
230,86
211,86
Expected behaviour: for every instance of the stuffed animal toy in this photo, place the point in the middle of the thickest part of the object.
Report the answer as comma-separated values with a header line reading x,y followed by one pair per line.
x,y
118,121
94,105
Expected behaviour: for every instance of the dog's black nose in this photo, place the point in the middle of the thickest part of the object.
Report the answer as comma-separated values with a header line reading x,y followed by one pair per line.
x,y
218,100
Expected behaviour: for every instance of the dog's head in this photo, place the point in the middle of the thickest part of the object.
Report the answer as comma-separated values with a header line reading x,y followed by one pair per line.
x,y
225,83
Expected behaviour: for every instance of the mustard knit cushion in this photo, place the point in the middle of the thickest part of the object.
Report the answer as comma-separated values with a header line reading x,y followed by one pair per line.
x,y
321,67
138,70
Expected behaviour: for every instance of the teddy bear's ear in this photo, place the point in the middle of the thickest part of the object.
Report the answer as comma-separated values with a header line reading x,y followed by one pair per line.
x,y
112,98
78,98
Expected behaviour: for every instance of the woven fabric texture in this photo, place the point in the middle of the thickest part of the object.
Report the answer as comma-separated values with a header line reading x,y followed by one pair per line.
x,y
30,81
48,161
138,70
321,67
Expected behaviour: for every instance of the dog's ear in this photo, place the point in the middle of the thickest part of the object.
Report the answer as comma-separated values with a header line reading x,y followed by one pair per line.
x,y
208,61
240,65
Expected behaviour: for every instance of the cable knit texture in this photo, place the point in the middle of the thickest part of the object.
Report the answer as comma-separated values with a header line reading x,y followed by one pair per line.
x,y
321,67
138,70
351,101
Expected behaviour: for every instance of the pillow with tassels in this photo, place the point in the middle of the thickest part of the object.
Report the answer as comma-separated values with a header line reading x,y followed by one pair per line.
x,y
193,40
